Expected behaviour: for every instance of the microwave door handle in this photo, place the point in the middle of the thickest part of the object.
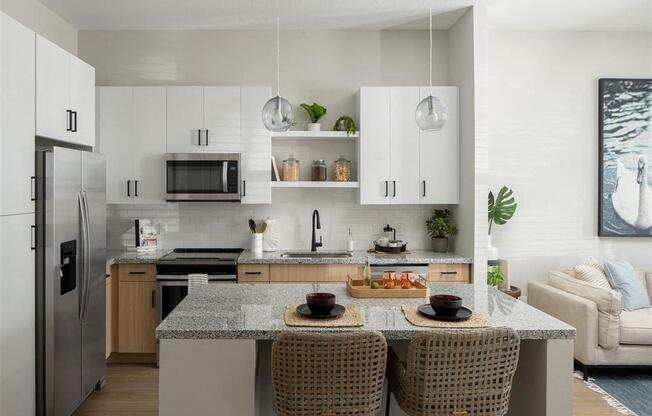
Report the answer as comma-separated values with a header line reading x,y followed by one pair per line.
x,y
225,178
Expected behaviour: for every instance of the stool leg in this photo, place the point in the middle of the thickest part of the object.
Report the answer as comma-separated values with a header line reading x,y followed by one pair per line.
x,y
387,399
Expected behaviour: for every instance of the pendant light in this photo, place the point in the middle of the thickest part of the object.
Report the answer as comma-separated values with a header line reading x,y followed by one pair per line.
x,y
277,112
432,111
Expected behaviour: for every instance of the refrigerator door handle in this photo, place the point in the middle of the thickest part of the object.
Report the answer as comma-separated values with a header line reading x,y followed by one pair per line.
x,y
87,255
84,255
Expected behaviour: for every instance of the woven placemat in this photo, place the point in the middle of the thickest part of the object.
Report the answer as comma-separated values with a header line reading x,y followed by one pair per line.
x,y
351,317
415,318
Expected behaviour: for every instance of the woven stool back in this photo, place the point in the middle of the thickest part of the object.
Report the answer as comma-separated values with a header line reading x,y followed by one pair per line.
x,y
467,370
328,373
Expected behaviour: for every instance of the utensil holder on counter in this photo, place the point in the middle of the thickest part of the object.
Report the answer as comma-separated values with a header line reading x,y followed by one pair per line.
x,y
257,243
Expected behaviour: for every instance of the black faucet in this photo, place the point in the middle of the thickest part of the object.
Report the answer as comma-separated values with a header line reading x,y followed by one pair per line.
x,y
315,244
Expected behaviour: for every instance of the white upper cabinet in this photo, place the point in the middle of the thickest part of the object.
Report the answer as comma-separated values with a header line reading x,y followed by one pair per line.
x,y
185,119
439,153
222,119
256,147
131,133
398,163
17,111
65,95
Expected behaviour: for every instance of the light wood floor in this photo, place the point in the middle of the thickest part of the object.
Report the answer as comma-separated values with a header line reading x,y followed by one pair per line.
x,y
133,390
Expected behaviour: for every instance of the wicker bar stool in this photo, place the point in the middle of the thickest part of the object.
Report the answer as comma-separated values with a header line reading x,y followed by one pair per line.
x,y
323,374
455,372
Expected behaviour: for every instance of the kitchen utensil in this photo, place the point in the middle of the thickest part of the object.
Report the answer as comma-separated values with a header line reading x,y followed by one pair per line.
x,y
462,314
338,310
263,228
252,225
445,305
320,303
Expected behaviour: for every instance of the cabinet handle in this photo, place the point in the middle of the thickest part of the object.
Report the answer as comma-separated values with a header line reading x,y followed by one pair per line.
x,y
206,137
74,124
393,189
135,188
424,188
153,299
386,189
448,272
68,120
33,237
244,188
198,137
33,188
253,273
128,188
137,272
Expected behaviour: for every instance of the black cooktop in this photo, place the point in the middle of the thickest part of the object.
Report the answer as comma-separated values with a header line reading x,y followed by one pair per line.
x,y
201,254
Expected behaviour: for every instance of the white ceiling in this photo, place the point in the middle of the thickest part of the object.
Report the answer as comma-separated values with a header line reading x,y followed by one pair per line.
x,y
350,14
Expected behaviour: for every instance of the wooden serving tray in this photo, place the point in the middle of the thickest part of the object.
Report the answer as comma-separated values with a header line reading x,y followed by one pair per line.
x,y
358,289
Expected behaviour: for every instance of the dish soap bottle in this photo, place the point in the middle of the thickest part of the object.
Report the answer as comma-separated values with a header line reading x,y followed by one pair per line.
x,y
349,242
366,274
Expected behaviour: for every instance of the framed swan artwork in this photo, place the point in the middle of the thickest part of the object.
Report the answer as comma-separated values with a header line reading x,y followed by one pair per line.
x,y
625,157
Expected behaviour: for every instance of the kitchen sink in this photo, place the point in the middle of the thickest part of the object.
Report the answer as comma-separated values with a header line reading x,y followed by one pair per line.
x,y
317,255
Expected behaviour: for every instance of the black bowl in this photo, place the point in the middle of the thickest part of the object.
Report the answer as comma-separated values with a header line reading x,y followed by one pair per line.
x,y
320,303
445,305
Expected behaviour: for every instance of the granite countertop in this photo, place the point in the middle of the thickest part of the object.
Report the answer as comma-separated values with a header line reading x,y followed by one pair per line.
x,y
255,311
133,256
358,257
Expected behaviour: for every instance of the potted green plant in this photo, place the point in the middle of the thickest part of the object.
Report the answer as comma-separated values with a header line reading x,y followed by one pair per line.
x,y
345,123
439,228
315,112
500,210
495,276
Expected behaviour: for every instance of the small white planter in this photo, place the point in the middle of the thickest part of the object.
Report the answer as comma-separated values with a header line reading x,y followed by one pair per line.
x,y
314,127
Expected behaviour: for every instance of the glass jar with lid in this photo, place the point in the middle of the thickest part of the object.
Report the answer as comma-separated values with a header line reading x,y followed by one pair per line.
x,y
290,170
319,170
342,170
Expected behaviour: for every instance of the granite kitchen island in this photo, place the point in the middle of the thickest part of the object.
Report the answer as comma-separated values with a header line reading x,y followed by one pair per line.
x,y
214,347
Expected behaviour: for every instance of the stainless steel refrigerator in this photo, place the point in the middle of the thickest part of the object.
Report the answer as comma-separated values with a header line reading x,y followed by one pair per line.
x,y
70,273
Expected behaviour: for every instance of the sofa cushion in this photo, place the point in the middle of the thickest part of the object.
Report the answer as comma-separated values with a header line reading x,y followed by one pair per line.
x,y
592,273
627,281
608,302
636,327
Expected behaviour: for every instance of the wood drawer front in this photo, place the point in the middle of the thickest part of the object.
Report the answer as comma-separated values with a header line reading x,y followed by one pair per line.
x,y
456,273
253,273
137,272
309,273
137,317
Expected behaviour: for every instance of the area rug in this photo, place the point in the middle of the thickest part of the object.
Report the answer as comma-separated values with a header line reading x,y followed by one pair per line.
x,y
628,391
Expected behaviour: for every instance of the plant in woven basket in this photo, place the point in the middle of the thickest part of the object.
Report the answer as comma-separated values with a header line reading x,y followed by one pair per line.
x,y
439,228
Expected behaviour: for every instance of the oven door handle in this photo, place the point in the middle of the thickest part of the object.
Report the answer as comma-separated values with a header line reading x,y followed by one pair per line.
x,y
182,280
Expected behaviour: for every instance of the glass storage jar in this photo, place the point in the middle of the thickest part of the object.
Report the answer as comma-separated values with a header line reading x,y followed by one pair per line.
x,y
342,170
290,169
319,170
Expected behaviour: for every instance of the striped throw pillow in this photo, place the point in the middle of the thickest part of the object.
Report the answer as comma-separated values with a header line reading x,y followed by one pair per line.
x,y
593,274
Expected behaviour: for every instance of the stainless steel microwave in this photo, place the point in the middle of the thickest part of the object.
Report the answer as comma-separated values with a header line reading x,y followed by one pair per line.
x,y
202,176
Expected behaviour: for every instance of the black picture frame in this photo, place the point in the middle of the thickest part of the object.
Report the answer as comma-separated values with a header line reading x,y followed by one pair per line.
x,y
602,229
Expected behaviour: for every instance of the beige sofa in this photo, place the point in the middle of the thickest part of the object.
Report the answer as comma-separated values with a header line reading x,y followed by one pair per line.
x,y
607,335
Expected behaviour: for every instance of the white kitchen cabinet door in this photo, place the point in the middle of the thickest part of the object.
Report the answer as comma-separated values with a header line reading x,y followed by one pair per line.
x,y
404,146
17,317
256,147
439,153
185,120
52,90
374,145
222,119
116,141
17,112
148,144
82,102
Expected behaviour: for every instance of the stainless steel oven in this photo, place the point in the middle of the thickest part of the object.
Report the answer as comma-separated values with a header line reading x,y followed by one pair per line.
x,y
202,176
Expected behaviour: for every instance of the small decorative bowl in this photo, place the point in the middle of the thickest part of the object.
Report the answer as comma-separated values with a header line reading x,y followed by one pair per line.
x,y
320,303
445,305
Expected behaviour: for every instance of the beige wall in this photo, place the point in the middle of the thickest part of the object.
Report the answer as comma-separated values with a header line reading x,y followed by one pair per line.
x,y
323,66
543,142
43,21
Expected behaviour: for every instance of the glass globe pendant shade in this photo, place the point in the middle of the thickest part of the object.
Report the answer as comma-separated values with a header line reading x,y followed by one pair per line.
x,y
278,114
431,113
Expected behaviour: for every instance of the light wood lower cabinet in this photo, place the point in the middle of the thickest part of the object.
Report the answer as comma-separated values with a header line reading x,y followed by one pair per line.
x,y
253,273
137,311
449,273
307,273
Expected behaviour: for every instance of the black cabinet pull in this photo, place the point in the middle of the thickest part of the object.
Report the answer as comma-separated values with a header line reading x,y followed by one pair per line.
x,y
68,120
424,188
74,123
206,137
153,299
33,188
198,137
136,188
128,188
33,237
386,189
393,188
253,273
137,272
448,272
244,188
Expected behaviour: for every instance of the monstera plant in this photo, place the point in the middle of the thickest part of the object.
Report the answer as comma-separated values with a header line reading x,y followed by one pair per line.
x,y
501,207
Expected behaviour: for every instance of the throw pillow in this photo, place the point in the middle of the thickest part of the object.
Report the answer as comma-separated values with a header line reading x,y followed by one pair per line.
x,y
593,274
625,280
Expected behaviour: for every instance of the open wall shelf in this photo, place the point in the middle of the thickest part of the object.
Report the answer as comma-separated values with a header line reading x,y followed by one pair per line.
x,y
313,135
311,184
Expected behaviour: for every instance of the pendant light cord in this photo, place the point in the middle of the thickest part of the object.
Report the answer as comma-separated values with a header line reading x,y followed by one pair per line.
x,y
430,32
278,56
